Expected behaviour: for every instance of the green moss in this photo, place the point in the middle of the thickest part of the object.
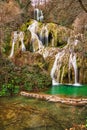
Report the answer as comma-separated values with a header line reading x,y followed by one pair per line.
x,y
25,25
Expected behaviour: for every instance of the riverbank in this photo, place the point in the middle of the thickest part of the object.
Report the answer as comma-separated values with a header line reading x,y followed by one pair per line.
x,y
56,98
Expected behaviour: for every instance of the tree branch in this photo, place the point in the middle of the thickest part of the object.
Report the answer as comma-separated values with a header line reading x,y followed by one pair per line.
x,y
83,7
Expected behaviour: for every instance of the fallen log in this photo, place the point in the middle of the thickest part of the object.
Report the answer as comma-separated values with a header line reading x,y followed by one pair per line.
x,y
56,98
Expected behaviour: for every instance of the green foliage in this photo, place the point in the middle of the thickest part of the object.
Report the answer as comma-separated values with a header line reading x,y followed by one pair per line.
x,y
9,89
14,79
6,46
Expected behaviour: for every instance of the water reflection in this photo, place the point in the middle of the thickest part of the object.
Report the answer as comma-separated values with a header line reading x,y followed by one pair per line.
x,y
19,113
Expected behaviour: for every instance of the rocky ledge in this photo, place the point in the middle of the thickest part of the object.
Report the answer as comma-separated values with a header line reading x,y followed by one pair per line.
x,y
56,98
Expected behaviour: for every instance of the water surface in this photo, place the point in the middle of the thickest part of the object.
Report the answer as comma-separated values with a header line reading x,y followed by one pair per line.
x,y
20,113
69,90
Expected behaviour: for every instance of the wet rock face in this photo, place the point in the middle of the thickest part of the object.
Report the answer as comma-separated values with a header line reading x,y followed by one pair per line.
x,y
63,45
39,35
69,64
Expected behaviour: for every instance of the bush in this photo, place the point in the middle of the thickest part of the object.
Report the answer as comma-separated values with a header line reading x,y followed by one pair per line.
x,y
14,79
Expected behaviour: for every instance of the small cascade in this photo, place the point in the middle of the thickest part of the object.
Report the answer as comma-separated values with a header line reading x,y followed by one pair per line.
x,y
15,37
41,16
76,42
38,15
56,66
44,35
72,62
33,29
21,38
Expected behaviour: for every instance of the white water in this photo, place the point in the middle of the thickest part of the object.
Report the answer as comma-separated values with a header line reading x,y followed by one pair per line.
x,y
44,35
21,38
38,15
56,66
15,36
54,82
76,42
33,29
41,16
72,62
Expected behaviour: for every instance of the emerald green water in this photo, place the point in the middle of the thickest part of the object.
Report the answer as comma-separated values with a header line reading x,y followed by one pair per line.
x,y
69,90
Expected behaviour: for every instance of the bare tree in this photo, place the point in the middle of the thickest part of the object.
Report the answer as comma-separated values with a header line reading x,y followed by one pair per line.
x,y
82,5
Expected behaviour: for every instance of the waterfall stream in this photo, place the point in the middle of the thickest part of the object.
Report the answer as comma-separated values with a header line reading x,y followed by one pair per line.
x,y
38,15
72,63
21,38
44,35
17,36
33,29
56,66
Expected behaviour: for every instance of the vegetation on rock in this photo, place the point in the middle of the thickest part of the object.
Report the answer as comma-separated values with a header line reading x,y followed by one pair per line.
x,y
13,78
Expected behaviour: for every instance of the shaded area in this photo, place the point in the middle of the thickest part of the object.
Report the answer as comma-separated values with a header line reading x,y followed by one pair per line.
x,y
19,113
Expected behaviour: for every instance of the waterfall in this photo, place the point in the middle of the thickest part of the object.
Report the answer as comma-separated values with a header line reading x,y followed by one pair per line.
x,y
56,66
44,35
21,38
41,16
72,62
76,42
15,36
38,15
33,28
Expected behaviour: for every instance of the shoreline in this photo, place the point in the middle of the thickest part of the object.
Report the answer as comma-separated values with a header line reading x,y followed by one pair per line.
x,y
56,98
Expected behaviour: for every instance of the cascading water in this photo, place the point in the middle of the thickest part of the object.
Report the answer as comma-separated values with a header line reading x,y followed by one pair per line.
x,y
38,15
33,28
21,38
15,36
41,16
57,58
76,42
44,35
72,62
